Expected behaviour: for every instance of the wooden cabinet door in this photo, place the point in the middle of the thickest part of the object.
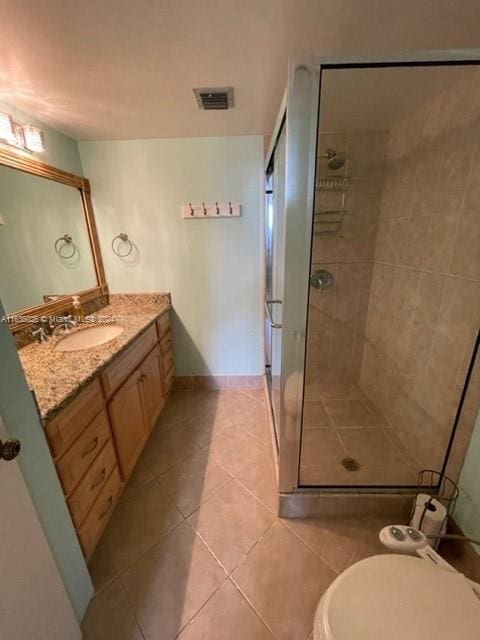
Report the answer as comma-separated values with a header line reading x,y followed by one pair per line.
x,y
128,422
151,379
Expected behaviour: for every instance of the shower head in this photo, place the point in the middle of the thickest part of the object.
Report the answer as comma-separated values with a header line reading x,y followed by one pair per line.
x,y
335,161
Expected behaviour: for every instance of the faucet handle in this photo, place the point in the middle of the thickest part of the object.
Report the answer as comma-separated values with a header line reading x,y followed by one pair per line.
x,y
41,333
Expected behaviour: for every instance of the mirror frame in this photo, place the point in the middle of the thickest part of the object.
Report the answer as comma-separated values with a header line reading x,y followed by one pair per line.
x,y
64,303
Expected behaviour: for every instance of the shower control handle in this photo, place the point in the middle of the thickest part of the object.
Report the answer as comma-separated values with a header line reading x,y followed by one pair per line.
x,y
321,279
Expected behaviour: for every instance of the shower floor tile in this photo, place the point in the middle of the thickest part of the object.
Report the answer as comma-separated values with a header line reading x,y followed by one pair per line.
x,y
357,430
350,413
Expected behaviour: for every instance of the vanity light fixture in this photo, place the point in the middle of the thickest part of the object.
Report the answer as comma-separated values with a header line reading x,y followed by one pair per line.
x,y
7,130
34,139
21,136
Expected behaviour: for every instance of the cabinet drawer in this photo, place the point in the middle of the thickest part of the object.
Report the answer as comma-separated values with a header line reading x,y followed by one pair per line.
x,y
166,343
119,370
92,529
92,484
74,462
168,362
69,423
163,324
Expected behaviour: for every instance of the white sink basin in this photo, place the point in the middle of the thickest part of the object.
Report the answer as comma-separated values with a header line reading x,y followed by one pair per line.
x,y
88,338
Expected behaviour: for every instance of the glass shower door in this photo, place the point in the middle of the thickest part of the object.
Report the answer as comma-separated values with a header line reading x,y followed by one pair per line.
x,y
394,280
274,234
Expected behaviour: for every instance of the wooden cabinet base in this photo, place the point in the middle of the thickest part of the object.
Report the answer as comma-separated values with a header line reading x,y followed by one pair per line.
x,y
97,439
91,485
93,527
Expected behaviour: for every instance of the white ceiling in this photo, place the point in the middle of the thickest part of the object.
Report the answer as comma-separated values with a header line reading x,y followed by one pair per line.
x,y
113,69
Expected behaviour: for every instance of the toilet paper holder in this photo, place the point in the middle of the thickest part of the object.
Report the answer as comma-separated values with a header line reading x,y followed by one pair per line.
x,y
430,512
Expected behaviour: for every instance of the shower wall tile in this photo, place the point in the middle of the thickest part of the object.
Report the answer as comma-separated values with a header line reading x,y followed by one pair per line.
x,y
415,241
472,190
337,316
424,304
466,254
440,242
458,152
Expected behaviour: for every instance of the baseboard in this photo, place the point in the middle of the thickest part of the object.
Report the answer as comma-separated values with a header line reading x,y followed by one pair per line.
x,y
213,383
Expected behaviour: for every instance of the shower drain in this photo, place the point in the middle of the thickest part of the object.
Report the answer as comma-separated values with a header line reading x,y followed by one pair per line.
x,y
351,464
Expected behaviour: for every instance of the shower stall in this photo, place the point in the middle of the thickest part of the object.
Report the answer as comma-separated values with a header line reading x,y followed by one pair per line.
x,y
372,306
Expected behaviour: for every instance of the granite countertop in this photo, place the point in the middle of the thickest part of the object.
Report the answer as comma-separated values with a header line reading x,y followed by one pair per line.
x,y
57,376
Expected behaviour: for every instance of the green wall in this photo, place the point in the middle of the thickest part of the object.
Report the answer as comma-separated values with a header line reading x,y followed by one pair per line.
x,y
21,420
467,513
214,267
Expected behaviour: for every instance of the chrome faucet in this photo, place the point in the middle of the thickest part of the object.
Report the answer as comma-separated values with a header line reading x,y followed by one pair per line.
x,y
53,328
41,332
63,325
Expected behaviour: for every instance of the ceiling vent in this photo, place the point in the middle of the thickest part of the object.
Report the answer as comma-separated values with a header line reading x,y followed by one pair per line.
x,y
214,98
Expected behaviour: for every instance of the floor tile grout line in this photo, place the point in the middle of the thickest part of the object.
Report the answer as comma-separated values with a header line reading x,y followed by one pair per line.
x,y
207,449
247,552
157,473
253,494
245,393
205,544
158,476
237,585
207,498
192,619
250,605
130,565
320,557
405,458
161,540
210,497
252,435
132,610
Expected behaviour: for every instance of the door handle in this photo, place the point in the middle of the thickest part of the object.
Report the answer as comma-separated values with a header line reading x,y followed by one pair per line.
x,y
9,449
274,325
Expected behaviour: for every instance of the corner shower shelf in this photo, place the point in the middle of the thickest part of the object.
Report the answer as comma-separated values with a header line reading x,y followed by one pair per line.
x,y
332,183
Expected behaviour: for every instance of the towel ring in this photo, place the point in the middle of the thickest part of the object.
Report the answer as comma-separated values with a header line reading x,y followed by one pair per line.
x,y
67,240
123,237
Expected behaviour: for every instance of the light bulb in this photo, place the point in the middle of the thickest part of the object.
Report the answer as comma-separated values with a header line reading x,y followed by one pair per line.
x,y
33,137
7,131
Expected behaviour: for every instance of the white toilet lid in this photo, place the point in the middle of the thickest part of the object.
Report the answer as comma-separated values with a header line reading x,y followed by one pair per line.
x,y
394,597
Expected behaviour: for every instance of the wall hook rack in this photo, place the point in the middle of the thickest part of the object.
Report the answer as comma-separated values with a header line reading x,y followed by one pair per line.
x,y
216,210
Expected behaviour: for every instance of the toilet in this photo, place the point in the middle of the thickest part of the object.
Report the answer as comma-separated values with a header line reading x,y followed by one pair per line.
x,y
398,597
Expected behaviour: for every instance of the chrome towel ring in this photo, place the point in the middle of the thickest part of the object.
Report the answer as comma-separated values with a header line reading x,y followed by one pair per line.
x,y
63,241
122,237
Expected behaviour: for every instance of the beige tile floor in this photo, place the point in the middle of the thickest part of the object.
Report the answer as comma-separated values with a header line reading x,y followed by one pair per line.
x,y
341,421
195,549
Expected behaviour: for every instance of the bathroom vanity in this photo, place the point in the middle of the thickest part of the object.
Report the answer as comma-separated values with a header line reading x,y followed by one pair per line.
x,y
100,406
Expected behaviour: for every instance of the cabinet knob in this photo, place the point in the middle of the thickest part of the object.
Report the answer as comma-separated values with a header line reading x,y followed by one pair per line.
x,y
10,449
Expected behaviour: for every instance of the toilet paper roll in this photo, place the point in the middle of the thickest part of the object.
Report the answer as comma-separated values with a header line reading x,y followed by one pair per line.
x,y
429,516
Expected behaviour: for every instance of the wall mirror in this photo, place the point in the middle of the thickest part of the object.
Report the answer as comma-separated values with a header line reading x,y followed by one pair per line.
x,y
48,242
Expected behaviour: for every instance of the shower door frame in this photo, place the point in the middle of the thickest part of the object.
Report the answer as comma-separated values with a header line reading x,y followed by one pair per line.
x,y
300,109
